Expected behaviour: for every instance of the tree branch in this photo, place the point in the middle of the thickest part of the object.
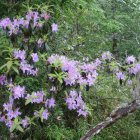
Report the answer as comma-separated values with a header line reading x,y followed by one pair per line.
x,y
114,116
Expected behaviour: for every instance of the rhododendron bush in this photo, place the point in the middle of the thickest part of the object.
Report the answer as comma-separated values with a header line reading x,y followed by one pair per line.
x,y
59,84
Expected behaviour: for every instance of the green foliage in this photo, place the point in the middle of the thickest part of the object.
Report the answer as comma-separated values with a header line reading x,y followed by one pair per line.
x,y
86,28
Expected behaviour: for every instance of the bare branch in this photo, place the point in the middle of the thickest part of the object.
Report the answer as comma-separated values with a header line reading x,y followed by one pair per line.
x,y
114,116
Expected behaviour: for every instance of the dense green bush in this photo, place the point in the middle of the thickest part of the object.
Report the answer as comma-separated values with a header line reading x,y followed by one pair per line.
x,y
86,29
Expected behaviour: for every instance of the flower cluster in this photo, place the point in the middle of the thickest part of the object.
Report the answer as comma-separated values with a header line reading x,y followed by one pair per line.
x,y
131,68
75,102
76,72
32,19
11,111
28,69
24,66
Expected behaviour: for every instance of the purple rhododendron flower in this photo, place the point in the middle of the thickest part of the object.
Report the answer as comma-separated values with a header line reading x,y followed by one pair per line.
x,y
45,15
35,57
9,123
37,97
72,76
90,74
25,122
31,15
4,23
18,92
11,100
82,112
107,56
2,118
54,27
16,23
72,72
82,80
90,80
88,67
50,103
129,82
75,102
2,79
28,69
97,62
71,103
20,21
13,114
130,59
7,106
45,114
20,54
53,58
13,30
25,24
120,76
135,69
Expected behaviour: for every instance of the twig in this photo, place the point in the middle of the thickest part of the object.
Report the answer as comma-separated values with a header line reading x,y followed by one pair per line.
x,y
114,117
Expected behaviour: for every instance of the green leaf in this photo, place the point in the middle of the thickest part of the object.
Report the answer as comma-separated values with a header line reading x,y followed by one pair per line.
x,y
52,75
3,66
28,101
16,62
9,64
40,113
13,128
60,80
15,69
15,123
20,128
